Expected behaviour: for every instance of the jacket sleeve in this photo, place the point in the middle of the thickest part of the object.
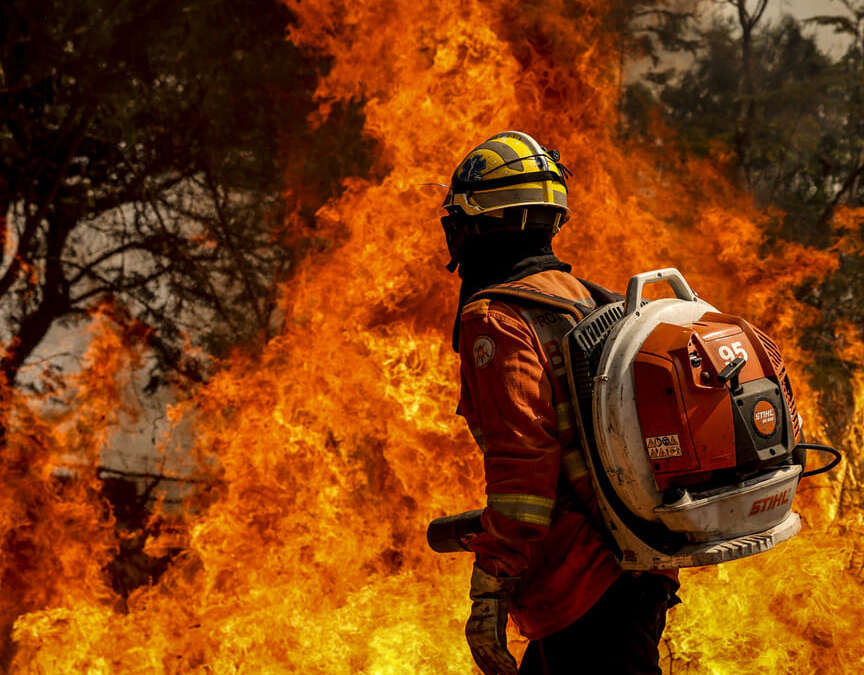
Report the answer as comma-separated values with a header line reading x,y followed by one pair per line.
x,y
507,402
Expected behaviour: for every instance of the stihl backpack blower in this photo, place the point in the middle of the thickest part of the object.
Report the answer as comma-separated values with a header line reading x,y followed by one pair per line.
x,y
689,428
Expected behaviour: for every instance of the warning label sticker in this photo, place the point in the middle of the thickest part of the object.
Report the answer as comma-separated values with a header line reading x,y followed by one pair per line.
x,y
663,447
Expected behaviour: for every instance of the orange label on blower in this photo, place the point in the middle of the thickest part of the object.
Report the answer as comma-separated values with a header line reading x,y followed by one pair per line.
x,y
765,418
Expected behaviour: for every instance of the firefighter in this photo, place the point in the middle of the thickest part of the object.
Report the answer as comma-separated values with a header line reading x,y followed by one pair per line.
x,y
540,556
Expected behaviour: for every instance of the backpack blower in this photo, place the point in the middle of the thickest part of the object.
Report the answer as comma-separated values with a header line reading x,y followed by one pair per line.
x,y
689,428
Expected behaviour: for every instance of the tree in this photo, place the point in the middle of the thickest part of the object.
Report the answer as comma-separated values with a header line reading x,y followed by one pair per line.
x,y
748,19
143,148
785,126
653,28
848,153
798,113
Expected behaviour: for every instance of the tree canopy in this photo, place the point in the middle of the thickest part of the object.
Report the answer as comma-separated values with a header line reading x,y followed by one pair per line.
x,y
143,153
789,110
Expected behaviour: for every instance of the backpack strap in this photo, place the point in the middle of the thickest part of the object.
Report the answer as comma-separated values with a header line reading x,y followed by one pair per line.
x,y
535,308
600,294
523,295
574,467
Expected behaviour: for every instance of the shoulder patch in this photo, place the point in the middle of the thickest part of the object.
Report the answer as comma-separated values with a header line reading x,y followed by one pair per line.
x,y
483,350
476,309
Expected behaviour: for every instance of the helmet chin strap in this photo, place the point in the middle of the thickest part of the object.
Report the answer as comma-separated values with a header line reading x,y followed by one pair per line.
x,y
455,236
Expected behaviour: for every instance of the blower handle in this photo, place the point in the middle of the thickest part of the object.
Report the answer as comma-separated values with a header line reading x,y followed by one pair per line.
x,y
637,282
820,448
731,373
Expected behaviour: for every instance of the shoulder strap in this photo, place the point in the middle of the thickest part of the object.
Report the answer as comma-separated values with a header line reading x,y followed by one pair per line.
x,y
522,295
600,294
573,464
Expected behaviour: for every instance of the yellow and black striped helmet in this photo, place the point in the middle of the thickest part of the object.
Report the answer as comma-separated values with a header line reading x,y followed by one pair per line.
x,y
510,170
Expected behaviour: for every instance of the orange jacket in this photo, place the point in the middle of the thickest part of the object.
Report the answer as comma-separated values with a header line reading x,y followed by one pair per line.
x,y
518,410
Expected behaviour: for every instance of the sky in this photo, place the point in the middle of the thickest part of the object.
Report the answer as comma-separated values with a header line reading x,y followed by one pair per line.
x,y
801,9
804,9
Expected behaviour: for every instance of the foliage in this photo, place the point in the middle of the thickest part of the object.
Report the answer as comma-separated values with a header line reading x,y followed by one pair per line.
x,y
797,148
143,153
653,29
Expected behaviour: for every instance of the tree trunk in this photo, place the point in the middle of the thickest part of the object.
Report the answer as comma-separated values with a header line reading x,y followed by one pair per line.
x,y
32,330
746,87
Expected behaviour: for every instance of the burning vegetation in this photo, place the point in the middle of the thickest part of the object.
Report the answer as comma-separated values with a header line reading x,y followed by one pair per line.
x,y
327,448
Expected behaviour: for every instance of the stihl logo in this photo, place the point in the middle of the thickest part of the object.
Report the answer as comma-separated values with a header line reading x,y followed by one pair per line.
x,y
768,503
765,416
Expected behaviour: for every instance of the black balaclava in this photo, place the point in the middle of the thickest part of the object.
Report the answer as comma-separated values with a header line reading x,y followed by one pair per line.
x,y
499,257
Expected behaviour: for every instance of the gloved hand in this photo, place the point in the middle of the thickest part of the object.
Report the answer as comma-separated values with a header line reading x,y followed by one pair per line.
x,y
486,627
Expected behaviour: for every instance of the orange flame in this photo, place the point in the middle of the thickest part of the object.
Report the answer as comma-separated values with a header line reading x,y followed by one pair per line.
x,y
56,535
338,443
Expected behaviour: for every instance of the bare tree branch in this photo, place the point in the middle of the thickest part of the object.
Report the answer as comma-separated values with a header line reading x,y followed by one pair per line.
x,y
154,476
33,221
853,176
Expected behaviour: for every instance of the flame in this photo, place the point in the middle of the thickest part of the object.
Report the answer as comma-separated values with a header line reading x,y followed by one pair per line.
x,y
335,445
56,535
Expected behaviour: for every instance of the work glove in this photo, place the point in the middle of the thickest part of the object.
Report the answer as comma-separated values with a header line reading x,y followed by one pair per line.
x,y
486,629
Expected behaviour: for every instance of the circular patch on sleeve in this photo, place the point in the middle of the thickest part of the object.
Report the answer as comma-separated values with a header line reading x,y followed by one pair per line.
x,y
484,351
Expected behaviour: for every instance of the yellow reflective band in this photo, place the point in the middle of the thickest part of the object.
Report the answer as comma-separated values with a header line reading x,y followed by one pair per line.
x,y
523,499
574,465
526,508
509,197
564,412
560,197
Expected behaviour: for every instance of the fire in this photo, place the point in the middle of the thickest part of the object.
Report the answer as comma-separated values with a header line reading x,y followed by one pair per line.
x,y
57,538
335,446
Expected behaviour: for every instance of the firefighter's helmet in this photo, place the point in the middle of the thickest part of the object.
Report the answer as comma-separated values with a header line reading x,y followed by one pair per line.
x,y
509,170
509,182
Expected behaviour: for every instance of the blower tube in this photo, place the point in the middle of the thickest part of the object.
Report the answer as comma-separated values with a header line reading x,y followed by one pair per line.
x,y
447,534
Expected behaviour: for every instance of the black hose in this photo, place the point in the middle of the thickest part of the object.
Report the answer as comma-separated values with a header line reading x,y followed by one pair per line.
x,y
820,448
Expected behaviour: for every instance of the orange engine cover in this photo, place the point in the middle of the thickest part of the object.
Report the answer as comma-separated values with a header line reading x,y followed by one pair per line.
x,y
685,413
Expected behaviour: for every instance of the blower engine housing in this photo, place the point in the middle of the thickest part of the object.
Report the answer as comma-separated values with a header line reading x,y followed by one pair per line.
x,y
691,427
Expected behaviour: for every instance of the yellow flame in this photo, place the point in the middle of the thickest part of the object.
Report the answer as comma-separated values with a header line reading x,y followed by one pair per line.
x,y
338,443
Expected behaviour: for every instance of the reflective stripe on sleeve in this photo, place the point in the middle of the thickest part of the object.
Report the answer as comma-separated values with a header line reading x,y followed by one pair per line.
x,y
564,412
574,465
527,508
